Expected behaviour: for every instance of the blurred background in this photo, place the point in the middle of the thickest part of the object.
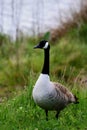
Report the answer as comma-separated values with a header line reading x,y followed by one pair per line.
x,y
23,23
38,16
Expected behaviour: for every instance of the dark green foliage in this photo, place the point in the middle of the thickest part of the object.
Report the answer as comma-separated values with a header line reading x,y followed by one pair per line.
x,y
83,33
46,36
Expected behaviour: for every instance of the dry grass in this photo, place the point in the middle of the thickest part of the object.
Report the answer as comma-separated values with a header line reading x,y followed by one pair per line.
x,y
78,18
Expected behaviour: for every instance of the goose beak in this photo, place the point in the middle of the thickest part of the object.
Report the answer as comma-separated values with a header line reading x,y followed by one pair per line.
x,y
37,46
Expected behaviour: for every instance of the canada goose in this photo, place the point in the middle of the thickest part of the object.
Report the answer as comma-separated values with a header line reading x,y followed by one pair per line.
x,y
50,95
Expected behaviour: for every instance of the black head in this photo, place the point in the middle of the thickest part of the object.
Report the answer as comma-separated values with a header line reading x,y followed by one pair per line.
x,y
42,45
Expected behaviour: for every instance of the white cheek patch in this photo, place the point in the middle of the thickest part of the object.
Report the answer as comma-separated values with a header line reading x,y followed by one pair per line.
x,y
46,45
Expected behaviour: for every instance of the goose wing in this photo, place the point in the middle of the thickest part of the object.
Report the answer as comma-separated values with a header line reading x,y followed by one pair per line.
x,y
64,94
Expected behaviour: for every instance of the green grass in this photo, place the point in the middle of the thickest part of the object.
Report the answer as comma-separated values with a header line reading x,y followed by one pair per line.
x,y
21,113
20,67
68,59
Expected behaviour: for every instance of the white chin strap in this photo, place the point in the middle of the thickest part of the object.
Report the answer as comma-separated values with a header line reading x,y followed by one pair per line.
x,y
46,45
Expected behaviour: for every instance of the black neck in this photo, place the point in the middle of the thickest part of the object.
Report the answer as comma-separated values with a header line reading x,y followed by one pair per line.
x,y
45,69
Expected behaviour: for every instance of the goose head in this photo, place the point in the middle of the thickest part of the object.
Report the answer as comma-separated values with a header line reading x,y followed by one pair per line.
x,y
42,45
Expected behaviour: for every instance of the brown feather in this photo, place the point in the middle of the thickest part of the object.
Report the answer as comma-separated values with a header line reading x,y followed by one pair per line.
x,y
65,93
